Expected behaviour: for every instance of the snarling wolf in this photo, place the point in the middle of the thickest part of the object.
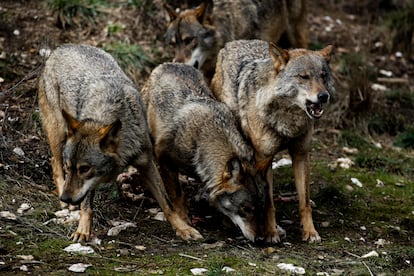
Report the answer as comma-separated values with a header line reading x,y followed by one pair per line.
x,y
198,34
197,136
95,123
277,95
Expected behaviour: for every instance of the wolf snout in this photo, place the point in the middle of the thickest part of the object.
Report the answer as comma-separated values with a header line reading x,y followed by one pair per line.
x,y
323,97
65,197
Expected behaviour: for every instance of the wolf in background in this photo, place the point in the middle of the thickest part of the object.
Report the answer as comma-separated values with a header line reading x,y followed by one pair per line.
x,y
198,34
277,95
95,124
197,136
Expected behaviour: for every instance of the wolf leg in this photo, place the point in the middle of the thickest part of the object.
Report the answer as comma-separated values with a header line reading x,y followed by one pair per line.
x,y
301,172
271,229
83,233
155,184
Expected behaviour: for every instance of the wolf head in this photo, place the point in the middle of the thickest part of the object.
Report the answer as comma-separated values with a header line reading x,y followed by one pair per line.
x,y
241,197
304,77
89,157
191,34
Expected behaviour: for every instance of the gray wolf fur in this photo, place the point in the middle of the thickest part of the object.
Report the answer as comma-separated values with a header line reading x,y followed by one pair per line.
x,y
197,136
198,34
95,124
277,95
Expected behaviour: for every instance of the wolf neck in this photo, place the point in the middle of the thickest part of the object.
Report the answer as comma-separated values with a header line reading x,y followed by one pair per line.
x,y
269,117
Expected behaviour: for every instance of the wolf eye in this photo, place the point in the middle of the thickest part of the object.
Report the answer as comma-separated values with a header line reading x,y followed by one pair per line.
x,y
323,74
188,40
84,169
304,76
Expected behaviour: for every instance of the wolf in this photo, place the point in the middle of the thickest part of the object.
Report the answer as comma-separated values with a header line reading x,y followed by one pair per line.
x,y
277,95
94,120
197,136
198,34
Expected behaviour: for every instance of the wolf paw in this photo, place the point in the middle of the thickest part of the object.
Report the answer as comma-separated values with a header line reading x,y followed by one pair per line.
x,y
275,235
189,233
83,233
311,236
80,237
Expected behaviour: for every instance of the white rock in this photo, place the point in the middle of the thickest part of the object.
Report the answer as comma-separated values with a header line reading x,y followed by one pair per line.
x,y
198,271
79,267
380,183
8,215
281,163
378,87
160,216
344,162
23,208
18,151
385,73
228,269
356,182
78,248
290,268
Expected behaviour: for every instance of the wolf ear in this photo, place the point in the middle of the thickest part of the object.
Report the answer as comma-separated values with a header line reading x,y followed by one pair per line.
x,y
109,137
171,12
72,123
327,53
233,169
204,11
279,56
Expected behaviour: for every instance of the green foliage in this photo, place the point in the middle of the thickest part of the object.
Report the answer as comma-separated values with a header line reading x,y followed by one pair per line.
x,y
378,162
351,139
392,114
146,5
401,22
357,66
405,139
68,10
131,57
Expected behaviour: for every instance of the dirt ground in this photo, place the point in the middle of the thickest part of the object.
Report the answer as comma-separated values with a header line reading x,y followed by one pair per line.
x,y
351,222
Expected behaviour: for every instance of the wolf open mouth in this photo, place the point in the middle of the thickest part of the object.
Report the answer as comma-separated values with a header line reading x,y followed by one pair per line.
x,y
315,110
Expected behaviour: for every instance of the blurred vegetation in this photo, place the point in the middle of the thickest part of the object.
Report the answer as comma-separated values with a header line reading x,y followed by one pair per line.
x,y
75,12
401,22
131,57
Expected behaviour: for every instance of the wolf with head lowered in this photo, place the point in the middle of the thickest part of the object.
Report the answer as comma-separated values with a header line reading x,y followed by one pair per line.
x,y
197,136
95,124
277,95
199,33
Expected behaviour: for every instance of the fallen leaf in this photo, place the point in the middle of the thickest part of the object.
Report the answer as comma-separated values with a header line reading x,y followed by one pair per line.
x,y
160,216
373,253
114,231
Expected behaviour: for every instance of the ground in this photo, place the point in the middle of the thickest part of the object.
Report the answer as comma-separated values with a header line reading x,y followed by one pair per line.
x,y
352,218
